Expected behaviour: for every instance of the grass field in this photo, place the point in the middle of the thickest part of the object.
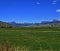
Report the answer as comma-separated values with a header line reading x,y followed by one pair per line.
x,y
32,38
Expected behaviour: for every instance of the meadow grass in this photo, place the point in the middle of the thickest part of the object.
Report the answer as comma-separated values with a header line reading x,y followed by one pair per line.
x,y
32,38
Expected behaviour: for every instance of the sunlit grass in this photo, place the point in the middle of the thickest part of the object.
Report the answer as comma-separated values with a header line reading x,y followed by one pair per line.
x,y
43,39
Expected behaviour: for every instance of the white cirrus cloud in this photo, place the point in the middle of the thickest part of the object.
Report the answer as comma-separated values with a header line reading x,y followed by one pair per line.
x,y
54,1
58,10
37,3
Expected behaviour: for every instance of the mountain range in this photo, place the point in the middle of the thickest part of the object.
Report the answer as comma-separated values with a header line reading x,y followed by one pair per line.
x,y
54,23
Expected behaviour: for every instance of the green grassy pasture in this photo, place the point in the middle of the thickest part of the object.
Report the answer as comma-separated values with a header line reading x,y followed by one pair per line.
x,y
32,38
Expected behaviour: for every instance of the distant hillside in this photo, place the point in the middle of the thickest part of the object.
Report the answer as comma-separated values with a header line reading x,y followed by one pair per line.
x,y
4,25
54,23
20,24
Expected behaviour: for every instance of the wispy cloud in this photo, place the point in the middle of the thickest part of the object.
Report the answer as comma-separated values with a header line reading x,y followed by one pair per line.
x,y
58,10
37,3
54,1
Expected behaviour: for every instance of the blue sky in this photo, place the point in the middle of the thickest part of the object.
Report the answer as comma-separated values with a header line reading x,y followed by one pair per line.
x,y
29,10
